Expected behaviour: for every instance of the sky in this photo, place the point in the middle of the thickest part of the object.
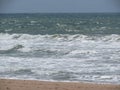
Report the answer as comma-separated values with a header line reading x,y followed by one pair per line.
x,y
58,6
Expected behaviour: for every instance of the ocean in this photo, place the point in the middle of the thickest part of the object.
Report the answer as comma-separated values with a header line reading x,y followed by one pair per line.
x,y
82,47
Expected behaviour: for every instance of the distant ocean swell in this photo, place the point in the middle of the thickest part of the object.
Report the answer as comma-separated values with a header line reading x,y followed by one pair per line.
x,y
60,23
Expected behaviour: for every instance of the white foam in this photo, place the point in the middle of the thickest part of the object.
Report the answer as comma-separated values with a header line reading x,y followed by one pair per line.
x,y
106,77
110,38
81,55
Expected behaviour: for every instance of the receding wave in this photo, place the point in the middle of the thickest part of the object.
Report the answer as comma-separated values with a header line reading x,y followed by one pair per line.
x,y
63,75
23,71
18,72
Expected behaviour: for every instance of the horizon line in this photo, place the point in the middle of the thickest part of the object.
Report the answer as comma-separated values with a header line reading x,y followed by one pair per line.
x,y
59,12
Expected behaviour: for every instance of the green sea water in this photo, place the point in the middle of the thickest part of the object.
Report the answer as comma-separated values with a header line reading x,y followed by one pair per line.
x,y
60,23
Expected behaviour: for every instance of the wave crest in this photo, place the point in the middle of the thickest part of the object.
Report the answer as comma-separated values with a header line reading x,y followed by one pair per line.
x,y
63,37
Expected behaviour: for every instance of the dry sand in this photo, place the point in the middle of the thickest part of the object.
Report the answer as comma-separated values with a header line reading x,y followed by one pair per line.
x,y
10,84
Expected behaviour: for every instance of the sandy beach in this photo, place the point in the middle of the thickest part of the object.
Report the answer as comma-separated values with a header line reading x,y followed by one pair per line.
x,y
10,84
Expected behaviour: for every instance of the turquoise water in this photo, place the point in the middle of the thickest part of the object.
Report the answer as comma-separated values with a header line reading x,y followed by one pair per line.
x,y
60,47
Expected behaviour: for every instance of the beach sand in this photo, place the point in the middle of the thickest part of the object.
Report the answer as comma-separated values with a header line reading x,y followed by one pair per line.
x,y
10,84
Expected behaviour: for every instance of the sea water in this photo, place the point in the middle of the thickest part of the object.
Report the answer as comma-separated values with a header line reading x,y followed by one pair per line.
x,y
60,47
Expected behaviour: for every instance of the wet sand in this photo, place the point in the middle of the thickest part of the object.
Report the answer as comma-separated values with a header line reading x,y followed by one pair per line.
x,y
10,84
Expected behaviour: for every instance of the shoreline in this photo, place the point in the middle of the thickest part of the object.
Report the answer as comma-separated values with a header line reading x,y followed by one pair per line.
x,y
15,84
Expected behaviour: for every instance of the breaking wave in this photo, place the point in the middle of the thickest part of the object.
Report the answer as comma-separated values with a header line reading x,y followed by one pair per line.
x,y
55,45
64,37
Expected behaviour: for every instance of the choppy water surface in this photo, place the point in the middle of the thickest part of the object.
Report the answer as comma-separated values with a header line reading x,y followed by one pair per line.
x,y
60,47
